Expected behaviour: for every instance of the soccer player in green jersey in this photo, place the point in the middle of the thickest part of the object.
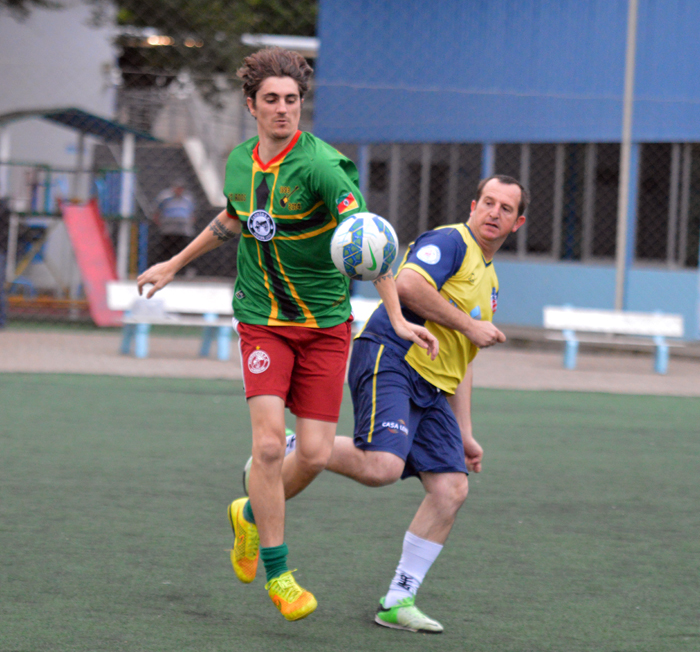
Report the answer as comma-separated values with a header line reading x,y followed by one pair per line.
x,y
286,192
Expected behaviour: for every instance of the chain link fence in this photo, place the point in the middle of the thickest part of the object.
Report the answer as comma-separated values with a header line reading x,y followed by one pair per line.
x,y
176,92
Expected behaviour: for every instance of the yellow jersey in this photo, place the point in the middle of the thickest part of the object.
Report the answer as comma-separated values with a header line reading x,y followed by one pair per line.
x,y
450,259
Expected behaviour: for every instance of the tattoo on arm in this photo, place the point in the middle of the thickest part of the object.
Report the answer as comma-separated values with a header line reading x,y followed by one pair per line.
x,y
384,277
220,231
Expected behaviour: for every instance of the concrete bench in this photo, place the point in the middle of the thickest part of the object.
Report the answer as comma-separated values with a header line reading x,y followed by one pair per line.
x,y
615,327
178,304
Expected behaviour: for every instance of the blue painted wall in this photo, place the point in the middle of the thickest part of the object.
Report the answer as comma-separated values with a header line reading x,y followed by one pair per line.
x,y
504,70
526,287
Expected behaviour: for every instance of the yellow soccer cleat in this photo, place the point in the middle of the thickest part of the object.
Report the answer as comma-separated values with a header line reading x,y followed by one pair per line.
x,y
293,601
246,544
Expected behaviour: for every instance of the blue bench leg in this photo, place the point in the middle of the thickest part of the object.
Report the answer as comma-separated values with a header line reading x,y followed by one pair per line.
x,y
571,350
207,337
141,347
127,338
223,349
661,357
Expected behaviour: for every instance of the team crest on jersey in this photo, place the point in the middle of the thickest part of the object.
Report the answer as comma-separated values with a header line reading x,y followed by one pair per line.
x,y
261,225
258,362
430,254
494,299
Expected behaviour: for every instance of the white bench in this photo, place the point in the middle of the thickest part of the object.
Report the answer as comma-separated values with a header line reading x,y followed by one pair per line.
x,y
613,327
177,304
362,309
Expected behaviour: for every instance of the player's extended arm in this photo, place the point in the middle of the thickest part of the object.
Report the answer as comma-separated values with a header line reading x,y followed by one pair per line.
x,y
461,404
386,286
422,298
221,229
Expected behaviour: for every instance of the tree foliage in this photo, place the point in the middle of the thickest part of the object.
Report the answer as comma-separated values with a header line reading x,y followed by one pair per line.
x,y
206,34
21,9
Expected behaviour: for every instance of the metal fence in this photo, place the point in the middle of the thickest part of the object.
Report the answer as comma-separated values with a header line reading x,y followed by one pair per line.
x,y
175,81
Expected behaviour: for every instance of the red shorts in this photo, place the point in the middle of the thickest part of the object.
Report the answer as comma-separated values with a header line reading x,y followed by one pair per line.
x,y
303,366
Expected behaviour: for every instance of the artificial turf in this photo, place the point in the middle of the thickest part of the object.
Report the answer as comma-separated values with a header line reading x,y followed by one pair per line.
x,y
582,532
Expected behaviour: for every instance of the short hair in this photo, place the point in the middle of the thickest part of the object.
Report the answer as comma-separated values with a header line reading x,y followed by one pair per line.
x,y
503,178
273,62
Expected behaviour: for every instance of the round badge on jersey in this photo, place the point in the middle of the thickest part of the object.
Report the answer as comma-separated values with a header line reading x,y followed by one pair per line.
x,y
261,225
430,254
258,361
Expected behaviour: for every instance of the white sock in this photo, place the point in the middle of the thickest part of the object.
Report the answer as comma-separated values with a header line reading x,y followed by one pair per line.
x,y
291,442
417,558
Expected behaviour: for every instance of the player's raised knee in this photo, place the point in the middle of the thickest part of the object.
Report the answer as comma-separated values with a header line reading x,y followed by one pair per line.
x,y
383,469
313,462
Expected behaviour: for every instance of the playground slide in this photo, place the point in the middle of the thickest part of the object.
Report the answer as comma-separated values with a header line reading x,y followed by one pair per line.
x,y
95,255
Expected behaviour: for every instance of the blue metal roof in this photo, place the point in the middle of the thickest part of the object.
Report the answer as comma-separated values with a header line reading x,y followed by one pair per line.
x,y
74,118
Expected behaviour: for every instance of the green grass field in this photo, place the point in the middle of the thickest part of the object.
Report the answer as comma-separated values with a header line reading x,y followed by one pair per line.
x,y
582,533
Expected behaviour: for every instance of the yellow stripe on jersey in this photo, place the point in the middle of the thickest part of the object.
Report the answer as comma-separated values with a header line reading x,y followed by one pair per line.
x,y
374,392
275,310
299,216
331,225
310,319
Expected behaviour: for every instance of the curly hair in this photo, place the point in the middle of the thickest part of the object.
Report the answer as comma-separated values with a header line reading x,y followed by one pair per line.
x,y
273,62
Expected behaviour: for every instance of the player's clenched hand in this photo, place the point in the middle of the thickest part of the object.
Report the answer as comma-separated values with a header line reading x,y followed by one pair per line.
x,y
473,453
420,335
158,275
484,333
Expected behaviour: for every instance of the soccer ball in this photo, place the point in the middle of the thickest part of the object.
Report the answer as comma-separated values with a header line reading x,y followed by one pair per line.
x,y
364,246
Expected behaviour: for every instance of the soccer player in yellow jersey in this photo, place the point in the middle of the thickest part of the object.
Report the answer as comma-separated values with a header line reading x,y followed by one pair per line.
x,y
413,415
286,192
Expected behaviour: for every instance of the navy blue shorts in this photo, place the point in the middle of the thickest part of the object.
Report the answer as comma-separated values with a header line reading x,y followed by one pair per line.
x,y
398,411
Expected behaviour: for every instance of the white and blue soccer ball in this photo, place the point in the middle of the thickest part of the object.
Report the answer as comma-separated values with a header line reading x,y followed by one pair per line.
x,y
364,246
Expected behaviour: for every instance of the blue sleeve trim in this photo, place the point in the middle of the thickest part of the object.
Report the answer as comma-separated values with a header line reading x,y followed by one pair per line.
x,y
440,253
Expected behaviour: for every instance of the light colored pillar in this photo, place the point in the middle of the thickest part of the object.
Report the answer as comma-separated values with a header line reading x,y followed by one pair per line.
x,y
424,201
126,204
452,187
673,202
625,199
589,176
521,235
79,163
363,154
488,160
559,156
4,160
394,184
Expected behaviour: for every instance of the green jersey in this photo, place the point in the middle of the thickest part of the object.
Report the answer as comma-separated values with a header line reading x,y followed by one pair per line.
x,y
289,208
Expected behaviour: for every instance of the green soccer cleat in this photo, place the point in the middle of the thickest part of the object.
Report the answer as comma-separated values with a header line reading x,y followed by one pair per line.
x,y
291,445
405,615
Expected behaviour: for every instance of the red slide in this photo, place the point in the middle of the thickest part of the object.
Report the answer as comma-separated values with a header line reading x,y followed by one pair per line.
x,y
95,255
